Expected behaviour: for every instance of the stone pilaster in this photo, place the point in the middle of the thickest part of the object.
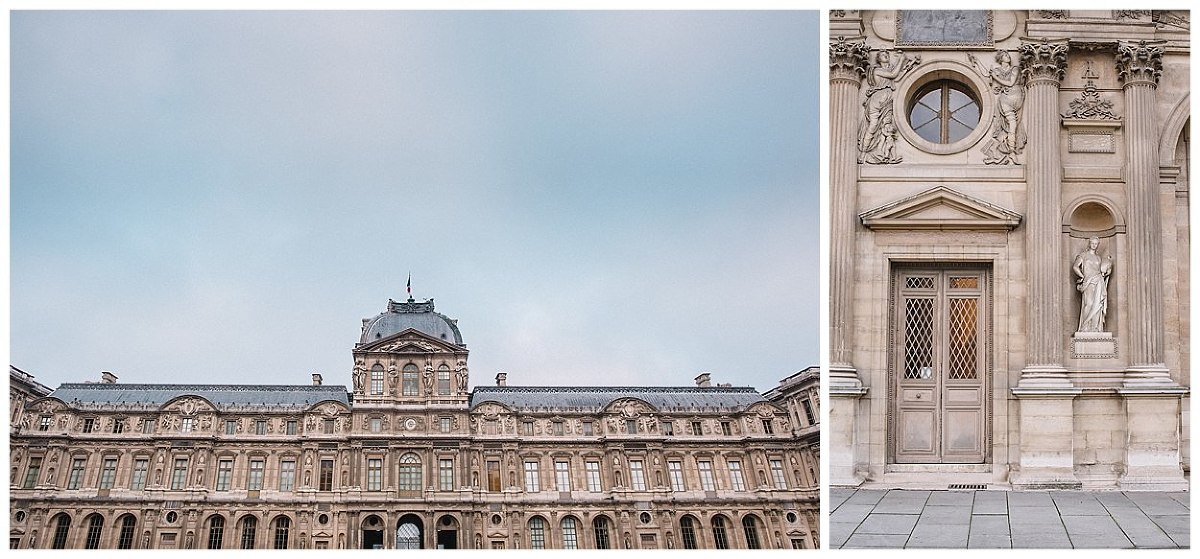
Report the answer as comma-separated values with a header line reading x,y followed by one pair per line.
x,y
847,66
1043,65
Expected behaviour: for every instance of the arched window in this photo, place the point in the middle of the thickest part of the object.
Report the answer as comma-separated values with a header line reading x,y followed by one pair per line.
x,y
750,526
569,539
249,531
377,379
94,530
537,533
410,380
128,529
687,529
61,530
410,472
282,525
600,527
720,538
444,380
944,112
216,532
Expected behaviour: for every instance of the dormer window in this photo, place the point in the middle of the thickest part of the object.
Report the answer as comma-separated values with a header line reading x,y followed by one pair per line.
x,y
44,423
88,424
188,424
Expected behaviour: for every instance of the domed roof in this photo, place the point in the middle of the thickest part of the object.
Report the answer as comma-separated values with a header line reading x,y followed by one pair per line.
x,y
411,314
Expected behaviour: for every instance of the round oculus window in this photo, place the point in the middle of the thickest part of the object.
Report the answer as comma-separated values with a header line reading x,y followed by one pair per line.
x,y
944,112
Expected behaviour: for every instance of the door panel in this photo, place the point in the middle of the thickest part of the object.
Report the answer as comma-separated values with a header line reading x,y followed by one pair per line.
x,y
939,340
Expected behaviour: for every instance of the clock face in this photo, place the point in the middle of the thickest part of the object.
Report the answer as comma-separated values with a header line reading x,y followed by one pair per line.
x,y
410,424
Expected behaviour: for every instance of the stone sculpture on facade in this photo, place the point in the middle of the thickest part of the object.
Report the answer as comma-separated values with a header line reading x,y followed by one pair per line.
x,y
1093,272
1089,105
877,131
1008,139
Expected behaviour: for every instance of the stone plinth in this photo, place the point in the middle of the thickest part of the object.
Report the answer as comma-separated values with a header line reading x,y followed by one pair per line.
x,y
840,442
1093,345
1152,452
1045,458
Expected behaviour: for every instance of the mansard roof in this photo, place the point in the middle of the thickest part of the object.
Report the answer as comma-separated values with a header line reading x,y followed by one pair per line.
x,y
596,398
223,396
418,315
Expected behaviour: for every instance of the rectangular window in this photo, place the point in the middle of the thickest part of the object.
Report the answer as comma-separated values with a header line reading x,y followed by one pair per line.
x,y
137,480
377,382
706,475
179,475
287,475
444,424
587,428
808,412
668,428
526,427
726,429
446,474
108,474
374,474
329,425
230,427
119,426
532,483
631,426
696,428
291,427
768,427
637,475
44,423
558,428
410,384
255,481
676,470
224,473
735,475
260,427
88,424
777,474
32,473
75,480
444,382
326,479
147,426
562,475
376,424
493,475
187,425
593,477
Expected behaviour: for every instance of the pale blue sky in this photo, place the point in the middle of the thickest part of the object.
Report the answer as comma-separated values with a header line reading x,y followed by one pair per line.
x,y
622,198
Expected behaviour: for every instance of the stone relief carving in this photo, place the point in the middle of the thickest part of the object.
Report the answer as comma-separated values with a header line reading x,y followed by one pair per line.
x,y
1089,105
359,376
877,129
1052,14
1008,138
1093,272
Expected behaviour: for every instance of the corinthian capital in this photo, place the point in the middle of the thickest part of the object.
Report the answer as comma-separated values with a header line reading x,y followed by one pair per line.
x,y
848,60
1139,61
1044,60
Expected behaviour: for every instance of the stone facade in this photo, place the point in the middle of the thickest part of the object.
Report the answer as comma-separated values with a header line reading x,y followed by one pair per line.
x,y
994,175
409,457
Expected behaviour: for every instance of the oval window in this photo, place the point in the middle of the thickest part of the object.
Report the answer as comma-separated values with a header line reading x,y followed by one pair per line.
x,y
944,112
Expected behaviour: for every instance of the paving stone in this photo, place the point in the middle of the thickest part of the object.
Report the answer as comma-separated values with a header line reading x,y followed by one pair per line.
x,y
1090,525
1029,499
1157,504
837,496
866,497
1183,497
1176,526
893,541
1075,503
989,525
945,515
888,524
990,502
1053,540
840,532
989,541
1113,500
951,498
938,537
902,502
854,514
1032,515
1140,530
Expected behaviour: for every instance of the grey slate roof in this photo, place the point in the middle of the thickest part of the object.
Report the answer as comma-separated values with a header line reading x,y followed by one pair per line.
x,y
403,315
223,396
596,398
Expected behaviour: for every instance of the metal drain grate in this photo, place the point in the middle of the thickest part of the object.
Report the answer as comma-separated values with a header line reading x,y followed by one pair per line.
x,y
968,486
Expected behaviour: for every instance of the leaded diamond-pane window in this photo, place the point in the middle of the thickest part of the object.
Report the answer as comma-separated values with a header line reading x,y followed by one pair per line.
x,y
963,337
918,339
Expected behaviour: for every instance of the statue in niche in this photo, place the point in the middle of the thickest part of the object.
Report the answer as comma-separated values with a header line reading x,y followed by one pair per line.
x,y
359,376
877,130
1007,137
1093,272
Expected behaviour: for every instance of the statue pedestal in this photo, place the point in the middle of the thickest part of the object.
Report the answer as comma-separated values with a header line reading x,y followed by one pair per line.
x,y
1093,345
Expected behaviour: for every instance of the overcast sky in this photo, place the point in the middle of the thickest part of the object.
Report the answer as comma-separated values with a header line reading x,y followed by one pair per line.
x,y
613,198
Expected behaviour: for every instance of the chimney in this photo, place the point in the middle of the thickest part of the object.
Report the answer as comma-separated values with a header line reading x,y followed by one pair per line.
x,y
702,380
501,378
107,378
316,379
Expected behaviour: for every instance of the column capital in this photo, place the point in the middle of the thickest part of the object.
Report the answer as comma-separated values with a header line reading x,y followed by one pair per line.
x,y
1044,60
848,60
1139,62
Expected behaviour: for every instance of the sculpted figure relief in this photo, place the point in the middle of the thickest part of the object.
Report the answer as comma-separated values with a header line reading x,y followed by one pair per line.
x,y
1007,137
1093,272
877,130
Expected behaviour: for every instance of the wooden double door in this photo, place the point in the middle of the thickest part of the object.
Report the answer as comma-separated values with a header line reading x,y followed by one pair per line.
x,y
939,367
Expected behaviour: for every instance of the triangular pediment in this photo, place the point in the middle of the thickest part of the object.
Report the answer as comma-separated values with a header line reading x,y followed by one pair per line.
x,y
409,341
940,209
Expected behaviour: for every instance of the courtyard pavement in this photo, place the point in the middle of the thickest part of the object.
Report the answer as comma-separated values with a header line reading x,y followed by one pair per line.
x,y
895,518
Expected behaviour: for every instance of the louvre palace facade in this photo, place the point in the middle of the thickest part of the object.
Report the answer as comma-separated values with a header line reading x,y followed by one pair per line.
x,y
409,457
1010,248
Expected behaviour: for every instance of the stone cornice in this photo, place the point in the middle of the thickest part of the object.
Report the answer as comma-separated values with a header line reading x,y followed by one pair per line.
x,y
848,60
1044,60
1139,62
